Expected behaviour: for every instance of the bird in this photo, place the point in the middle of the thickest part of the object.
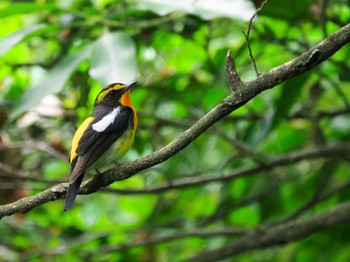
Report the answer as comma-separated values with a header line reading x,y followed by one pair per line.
x,y
112,121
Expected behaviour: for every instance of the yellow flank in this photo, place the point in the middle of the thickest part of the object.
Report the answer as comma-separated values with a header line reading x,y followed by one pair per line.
x,y
78,134
102,95
135,119
124,143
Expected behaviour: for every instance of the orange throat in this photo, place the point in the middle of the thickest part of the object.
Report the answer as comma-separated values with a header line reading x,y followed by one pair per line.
x,y
125,100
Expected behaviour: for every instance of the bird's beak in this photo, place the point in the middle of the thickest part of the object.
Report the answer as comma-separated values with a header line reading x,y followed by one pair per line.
x,y
129,86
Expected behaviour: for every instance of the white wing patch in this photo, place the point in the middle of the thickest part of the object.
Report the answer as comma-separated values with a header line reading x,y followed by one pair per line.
x,y
106,121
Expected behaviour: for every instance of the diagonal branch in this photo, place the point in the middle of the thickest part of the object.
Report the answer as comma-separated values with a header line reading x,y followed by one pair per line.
x,y
249,90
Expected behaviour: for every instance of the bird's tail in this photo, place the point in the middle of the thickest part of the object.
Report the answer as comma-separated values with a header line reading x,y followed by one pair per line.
x,y
72,192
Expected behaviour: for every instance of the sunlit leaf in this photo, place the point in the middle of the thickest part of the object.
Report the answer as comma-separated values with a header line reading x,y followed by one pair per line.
x,y
24,8
239,9
113,59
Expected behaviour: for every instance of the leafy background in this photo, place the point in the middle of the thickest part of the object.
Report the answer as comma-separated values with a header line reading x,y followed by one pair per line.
x,y
57,55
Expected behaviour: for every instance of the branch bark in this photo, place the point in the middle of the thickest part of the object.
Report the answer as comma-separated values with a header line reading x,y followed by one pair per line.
x,y
236,99
267,236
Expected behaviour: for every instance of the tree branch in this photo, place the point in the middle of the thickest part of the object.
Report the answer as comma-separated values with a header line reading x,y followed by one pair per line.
x,y
11,173
267,236
149,239
249,90
287,159
198,233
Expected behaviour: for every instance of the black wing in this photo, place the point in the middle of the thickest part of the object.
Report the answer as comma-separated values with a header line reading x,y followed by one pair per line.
x,y
93,144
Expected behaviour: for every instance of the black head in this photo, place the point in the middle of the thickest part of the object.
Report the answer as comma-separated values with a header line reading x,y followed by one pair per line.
x,y
114,94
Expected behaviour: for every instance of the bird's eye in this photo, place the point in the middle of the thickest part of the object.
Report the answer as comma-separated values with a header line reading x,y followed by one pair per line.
x,y
112,93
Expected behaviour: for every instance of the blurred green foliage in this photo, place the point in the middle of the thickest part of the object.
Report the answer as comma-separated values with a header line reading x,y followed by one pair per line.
x,y
57,55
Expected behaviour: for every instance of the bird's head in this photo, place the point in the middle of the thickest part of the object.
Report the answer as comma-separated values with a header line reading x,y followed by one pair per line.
x,y
115,94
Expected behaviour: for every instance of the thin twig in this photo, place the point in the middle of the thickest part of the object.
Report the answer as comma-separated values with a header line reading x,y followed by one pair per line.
x,y
247,35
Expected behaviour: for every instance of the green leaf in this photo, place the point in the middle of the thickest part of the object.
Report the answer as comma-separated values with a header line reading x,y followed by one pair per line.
x,y
113,59
286,10
11,40
24,8
271,206
52,83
